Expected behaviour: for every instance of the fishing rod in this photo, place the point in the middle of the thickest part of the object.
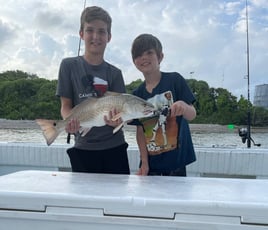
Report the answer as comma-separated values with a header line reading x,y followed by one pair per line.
x,y
79,45
249,115
245,133
78,53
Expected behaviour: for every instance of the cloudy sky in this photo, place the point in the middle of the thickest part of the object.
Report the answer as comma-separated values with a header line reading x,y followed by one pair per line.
x,y
202,39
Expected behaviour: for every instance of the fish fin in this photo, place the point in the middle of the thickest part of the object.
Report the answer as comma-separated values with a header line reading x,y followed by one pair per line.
x,y
117,116
117,128
50,129
85,103
111,93
83,131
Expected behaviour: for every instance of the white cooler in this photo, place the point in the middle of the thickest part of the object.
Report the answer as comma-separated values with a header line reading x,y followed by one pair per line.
x,y
43,200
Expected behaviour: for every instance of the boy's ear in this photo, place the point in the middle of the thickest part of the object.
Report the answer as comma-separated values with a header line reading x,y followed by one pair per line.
x,y
81,33
161,56
109,37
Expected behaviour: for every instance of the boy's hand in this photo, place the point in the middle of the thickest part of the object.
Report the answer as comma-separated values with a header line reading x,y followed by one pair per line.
x,y
143,170
181,108
72,126
178,108
110,121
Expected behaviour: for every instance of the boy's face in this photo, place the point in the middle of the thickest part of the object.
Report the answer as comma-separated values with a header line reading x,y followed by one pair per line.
x,y
96,36
148,62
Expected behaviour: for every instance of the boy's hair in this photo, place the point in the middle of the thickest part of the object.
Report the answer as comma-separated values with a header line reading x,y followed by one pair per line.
x,y
145,42
92,13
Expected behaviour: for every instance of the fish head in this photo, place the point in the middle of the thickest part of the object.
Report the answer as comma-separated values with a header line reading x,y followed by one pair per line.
x,y
147,109
162,100
136,107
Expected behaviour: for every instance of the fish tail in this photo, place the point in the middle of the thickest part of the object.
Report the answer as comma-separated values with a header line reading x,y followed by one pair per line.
x,y
50,129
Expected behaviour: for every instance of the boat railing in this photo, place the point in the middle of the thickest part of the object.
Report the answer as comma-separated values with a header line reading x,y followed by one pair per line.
x,y
211,161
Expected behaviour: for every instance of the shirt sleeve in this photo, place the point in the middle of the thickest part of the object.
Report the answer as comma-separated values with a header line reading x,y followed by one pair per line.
x,y
185,92
116,83
64,86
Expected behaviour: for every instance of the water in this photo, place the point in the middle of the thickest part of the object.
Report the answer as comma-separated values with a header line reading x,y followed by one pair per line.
x,y
200,138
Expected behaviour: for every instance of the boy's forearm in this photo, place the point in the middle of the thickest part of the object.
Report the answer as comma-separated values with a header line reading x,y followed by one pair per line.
x,y
65,112
142,145
143,154
144,167
189,113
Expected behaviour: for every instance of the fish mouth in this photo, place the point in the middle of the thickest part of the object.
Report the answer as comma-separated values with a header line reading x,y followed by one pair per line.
x,y
148,112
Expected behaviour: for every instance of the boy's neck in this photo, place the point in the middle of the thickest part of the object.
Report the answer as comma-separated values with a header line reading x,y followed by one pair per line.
x,y
153,77
93,59
152,80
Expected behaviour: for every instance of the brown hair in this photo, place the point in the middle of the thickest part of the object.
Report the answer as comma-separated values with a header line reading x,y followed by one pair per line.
x,y
145,42
92,13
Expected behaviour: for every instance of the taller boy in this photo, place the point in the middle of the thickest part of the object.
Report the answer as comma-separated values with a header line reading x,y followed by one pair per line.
x,y
100,151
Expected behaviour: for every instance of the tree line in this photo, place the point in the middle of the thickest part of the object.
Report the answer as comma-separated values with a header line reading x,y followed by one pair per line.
x,y
27,96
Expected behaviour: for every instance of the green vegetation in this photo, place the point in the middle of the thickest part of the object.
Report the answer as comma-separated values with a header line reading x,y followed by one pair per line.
x,y
26,96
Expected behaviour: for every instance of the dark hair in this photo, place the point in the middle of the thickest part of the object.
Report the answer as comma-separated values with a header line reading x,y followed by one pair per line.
x,y
145,42
92,13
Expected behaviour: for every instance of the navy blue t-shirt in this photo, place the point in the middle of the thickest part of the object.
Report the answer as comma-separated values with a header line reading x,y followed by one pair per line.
x,y
167,156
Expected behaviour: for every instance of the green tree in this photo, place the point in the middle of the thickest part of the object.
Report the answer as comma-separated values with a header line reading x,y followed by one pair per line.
x,y
133,85
26,96
242,111
15,75
260,116
226,105
48,104
205,101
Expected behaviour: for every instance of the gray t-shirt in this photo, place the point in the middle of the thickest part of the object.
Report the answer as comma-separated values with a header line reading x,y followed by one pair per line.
x,y
75,82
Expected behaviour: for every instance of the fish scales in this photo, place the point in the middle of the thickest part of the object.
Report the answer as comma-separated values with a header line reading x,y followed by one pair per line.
x,y
95,110
91,113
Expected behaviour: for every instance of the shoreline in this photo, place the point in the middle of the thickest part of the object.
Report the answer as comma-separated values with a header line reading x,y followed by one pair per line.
x,y
31,124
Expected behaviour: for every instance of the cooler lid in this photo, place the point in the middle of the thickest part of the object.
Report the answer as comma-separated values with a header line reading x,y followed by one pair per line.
x,y
137,196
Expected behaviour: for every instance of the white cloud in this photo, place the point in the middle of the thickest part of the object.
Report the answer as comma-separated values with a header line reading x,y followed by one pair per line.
x,y
7,33
204,36
231,8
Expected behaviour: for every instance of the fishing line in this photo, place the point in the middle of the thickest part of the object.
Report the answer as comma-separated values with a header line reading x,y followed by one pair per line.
x,y
79,45
78,53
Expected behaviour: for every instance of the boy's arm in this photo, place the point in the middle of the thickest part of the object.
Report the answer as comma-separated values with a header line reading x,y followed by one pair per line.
x,y
66,106
181,108
141,141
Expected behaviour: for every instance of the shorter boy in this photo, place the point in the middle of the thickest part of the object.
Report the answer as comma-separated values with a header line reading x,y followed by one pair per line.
x,y
164,140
